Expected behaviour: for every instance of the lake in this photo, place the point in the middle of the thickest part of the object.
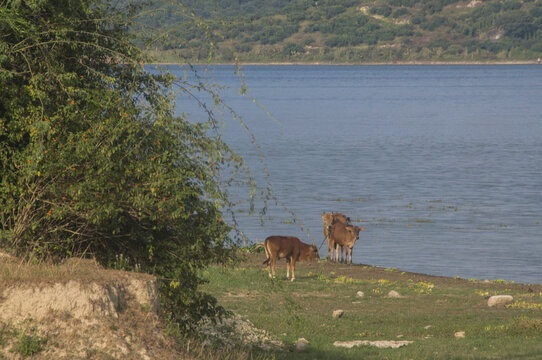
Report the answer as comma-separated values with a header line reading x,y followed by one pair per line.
x,y
442,165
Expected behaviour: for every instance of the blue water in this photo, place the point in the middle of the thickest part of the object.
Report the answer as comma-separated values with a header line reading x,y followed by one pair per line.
x,y
442,165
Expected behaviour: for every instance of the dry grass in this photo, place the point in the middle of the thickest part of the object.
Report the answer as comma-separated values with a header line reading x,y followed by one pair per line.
x,y
18,272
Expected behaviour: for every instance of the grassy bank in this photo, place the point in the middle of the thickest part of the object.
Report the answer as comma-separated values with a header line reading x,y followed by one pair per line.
x,y
429,313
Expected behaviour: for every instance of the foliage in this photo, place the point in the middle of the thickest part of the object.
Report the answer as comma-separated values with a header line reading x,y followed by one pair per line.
x,y
93,160
29,342
359,30
292,49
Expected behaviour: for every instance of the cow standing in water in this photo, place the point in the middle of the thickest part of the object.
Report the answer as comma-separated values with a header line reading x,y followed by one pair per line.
x,y
288,247
344,236
329,220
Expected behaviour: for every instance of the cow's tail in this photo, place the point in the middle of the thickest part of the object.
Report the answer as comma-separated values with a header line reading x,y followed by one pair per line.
x,y
267,252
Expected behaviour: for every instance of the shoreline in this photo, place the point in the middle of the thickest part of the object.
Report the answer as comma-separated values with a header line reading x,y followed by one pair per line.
x,y
368,271
317,63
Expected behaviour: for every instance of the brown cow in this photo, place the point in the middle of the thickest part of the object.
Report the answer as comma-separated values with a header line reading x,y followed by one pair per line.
x,y
288,247
345,236
330,219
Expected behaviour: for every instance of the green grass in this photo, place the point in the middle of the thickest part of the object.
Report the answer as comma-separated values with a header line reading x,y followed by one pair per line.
x,y
430,312
29,342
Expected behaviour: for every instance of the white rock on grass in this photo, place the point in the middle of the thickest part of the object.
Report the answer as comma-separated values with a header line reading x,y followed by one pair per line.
x,y
459,335
338,313
394,294
381,344
360,294
499,300
301,344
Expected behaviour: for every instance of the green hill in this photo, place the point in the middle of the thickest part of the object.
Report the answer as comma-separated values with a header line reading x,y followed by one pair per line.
x,y
353,31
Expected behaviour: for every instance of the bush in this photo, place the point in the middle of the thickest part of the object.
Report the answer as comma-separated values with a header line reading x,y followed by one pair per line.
x,y
400,12
92,159
536,12
292,49
383,10
509,5
517,24
29,343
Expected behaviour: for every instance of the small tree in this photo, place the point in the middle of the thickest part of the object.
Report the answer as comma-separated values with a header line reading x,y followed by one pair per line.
x,y
292,49
93,160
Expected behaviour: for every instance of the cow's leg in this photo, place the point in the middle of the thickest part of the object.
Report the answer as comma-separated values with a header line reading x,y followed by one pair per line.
x,y
273,265
269,267
287,268
345,253
337,252
293,269
269,257
329,242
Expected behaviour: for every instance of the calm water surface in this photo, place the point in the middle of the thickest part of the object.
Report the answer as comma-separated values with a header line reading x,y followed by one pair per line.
x,y
442,165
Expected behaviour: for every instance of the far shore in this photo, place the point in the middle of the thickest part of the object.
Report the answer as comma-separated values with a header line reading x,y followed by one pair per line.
x,y
398,63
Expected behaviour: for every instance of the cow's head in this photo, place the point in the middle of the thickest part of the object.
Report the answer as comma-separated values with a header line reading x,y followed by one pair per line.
x,y
328,218
354,230
314,253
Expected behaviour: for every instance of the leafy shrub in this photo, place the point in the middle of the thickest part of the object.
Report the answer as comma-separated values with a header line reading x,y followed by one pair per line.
x,y
385,34
517,24
29,343
537,47
536,12
92,159
400,12
406,3
243,47
418,19
509,5
292,49
382,10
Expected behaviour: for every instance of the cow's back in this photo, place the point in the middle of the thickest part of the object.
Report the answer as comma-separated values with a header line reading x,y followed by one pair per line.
x,y
282,246
339,233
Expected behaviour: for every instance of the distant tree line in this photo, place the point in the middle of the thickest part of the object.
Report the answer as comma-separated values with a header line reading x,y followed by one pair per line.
x,y
320,30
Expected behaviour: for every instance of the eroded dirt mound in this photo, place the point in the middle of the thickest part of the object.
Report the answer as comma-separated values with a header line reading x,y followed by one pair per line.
x,y
104,314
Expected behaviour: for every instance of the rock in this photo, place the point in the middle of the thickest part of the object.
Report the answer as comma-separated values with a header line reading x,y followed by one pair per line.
x,y
394,294
499,300
236,330
428,327
459,335
381,344
301,344
338,313
360,294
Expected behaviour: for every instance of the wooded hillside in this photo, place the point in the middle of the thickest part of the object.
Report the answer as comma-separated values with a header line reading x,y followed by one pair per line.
x,y
351,30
